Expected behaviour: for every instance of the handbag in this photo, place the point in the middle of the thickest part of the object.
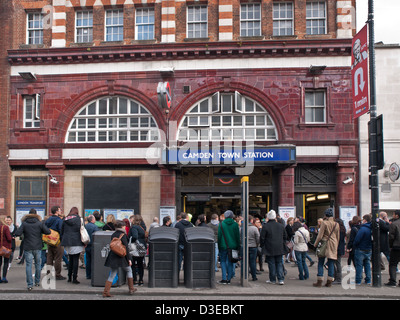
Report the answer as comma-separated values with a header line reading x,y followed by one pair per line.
x,y
137,249
117,246
4,252
84,234
233,254
52,239
322,244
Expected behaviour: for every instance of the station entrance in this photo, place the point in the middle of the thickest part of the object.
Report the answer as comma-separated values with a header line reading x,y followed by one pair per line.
x,y
208,204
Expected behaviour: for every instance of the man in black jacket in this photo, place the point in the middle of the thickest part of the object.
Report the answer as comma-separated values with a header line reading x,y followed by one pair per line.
x,y
32,228
182,225
273,239
394,243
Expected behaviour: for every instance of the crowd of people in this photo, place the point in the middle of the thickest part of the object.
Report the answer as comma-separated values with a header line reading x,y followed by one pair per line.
x,y
270,239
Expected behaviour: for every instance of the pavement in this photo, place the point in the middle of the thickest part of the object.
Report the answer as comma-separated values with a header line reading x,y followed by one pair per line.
x,y
292,288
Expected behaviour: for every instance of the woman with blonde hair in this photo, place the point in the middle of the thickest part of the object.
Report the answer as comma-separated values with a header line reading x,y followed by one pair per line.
x,y
110,223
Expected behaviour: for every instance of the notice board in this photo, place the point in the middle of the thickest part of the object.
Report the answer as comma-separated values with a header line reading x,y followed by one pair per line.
x,y
112,193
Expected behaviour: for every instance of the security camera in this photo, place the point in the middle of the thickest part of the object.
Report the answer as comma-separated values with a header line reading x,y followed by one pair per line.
x,y
52,179
348,180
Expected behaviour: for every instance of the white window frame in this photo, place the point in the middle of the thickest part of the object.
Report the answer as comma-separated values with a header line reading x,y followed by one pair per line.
x,y
119,123
244,32
195,22
149,23
224,126
32,118
316,19
88,28
34,30
111,26
313,107
280,20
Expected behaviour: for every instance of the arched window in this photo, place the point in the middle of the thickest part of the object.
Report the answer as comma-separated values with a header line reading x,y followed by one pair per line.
x,y
227,116
113,119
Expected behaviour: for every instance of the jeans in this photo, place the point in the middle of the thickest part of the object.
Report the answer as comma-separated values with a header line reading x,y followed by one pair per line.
x,y
331,267
31,255
362,258
253,262
88,262
114,272
216,257
226,265
181,249
302,265
275,266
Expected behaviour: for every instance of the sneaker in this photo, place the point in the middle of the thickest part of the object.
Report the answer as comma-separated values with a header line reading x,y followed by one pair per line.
x,y
281,283
390,284
270,282
4,280
30,288
60,278
312,263
223,282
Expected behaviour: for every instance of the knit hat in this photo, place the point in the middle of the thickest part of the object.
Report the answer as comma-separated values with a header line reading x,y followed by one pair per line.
x,y
228,214
329,212
271,215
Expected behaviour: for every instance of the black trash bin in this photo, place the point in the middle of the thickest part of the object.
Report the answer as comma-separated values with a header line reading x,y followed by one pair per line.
x,y
100,250
199,257
163,257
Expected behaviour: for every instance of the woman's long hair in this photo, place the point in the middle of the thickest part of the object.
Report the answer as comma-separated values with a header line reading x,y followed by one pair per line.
x,y
73,211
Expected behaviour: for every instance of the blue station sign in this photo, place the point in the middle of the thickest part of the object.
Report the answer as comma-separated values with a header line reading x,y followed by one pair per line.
x,y
235,156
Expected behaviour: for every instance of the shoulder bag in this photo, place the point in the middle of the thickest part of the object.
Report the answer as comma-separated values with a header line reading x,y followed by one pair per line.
x,y
137,249
4,252
321,246
233,254
117,246
84,234
52,239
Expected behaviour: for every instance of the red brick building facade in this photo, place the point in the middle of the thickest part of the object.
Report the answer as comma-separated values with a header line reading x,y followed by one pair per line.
x,y
266,74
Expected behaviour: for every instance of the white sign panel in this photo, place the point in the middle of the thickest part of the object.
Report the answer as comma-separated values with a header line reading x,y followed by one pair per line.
x,y
287,212
347,214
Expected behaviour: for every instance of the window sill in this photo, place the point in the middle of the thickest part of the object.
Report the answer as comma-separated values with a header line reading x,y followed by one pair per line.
x,y
329,126
18,131
249,38
196,39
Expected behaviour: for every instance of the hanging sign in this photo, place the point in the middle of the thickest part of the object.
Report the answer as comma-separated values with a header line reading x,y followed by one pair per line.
x,y
359,73
164,95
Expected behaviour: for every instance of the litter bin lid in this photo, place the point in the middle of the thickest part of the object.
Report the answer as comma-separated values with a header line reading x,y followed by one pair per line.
x,y
100,234
199,234
164,234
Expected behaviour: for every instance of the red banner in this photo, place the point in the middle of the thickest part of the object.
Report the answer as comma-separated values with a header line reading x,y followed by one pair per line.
x,y
359,73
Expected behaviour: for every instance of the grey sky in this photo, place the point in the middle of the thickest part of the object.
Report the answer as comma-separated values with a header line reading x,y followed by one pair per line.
x,y
387,20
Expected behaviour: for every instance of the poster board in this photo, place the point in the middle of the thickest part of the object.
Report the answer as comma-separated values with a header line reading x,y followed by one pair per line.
x,y
347,213
167,211
287,212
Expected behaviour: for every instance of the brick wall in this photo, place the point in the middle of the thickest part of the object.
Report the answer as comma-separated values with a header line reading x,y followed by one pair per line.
x,y
170,20
6,31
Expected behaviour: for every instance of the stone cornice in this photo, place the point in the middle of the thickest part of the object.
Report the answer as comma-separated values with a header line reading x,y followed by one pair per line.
x,y
181,51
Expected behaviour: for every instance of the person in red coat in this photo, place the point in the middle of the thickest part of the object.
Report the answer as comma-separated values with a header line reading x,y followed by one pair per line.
x,y
6,242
